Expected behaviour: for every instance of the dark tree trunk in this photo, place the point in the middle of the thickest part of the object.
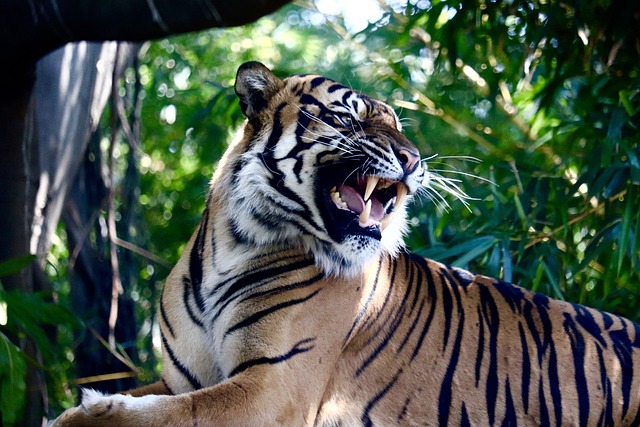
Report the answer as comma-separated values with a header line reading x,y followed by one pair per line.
x,y
92,278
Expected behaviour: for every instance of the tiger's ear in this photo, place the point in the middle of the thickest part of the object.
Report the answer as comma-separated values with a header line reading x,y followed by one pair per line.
x,y
255,85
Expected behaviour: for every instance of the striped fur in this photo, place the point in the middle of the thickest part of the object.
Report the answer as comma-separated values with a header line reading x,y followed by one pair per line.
x,y
272,317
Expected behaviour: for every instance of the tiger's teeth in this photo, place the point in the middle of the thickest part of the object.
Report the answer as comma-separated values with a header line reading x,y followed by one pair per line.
x,y
372,182
402,193
335,196
386,221
364,216
385,183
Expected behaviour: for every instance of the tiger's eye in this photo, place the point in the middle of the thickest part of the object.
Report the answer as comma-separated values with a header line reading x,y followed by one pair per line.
x,y
344,119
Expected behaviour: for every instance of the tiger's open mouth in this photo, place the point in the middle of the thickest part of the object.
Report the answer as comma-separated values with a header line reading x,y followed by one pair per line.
x,y
364,205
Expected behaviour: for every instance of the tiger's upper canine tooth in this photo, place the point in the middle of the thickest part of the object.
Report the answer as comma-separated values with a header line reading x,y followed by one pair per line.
x,y
402,193
364,215
372,182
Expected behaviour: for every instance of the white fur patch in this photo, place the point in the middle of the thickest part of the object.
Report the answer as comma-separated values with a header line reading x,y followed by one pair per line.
x,y
92,398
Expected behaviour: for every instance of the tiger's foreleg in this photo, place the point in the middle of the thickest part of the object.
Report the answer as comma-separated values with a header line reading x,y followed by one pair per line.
x,y
244,400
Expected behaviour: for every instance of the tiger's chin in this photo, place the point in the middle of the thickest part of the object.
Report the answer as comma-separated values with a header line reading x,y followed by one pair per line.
x,y
364,217
350,258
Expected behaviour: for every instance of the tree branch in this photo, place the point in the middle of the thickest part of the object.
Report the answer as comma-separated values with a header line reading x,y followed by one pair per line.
x,y
36,27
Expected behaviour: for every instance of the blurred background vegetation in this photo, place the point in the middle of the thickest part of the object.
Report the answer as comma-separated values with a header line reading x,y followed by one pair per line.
x,y
532,105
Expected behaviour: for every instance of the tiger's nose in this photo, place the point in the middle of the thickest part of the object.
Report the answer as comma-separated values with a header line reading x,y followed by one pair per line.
x,y
408,159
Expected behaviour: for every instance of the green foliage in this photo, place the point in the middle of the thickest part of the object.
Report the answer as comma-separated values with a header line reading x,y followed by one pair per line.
x,y
24,315
545,94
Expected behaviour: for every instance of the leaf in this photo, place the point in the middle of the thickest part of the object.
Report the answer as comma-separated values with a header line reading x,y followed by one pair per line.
x,y
14,265
13,371
520,210
627,218
537,280
553,281
635,247
626,103
507,262
614,134
483,244
634,165
462,249
27,313
601,242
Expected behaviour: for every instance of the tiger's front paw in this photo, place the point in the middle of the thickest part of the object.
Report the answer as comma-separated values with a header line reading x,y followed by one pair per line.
x,y
98,410
95,407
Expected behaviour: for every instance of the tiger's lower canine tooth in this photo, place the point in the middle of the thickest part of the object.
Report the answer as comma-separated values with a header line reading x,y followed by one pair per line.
x,y
402,193
372,182
386,220
364,216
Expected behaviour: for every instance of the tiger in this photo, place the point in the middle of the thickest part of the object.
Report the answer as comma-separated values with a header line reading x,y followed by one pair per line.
x,y
296,302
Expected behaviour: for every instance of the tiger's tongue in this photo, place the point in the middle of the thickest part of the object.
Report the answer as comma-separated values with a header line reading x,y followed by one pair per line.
x,y
355,202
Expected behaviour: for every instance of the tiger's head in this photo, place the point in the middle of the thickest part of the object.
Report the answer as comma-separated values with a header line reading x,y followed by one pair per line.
x,y
318,165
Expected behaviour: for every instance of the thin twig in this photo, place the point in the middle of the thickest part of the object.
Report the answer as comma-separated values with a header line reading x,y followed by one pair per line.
x,y
143,252
572,221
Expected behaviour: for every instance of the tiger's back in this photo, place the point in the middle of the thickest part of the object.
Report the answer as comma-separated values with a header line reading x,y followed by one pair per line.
x,y
294,303
444,347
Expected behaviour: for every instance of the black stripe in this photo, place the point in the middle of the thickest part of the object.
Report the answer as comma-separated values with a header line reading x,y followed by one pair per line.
x,y
366,418
375,320
412,327
609,409
585,319
195,261
447,306
510,418
186,286
301,346
480,351
578,348
364,309
433,299
346,96
404,410
554,384
250,281
260,261
285,288
464,417
544,411
255,317
316,82
415,277
165,318
166,385
446,391
385,341
623,350
179,366
239,237
492,321
526,369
